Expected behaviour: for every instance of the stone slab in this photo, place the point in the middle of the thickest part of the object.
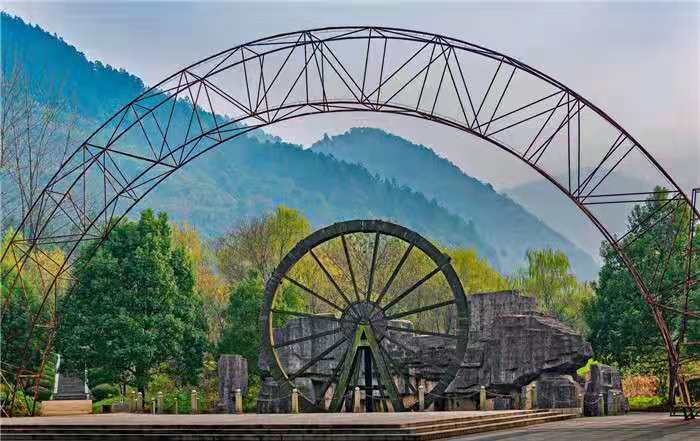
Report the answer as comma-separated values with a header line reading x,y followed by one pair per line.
x,y
66,407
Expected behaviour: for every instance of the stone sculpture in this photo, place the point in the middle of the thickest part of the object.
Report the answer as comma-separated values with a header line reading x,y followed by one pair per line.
x,y
604,395
233,374
510,346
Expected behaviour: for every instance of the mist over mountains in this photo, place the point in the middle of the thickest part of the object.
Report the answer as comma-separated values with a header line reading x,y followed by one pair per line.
x,y
510,228
363,173
564,217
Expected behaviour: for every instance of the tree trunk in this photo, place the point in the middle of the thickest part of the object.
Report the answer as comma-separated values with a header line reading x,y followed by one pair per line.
x,y
141,380
671,384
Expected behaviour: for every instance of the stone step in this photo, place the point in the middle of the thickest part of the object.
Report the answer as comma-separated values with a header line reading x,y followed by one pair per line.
x,y
489,427
414,426
474,418
72,396
70,384
443,426
70,388
386,432
277,429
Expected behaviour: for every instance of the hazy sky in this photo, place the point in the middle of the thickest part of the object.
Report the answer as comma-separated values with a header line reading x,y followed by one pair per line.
x,y
640,62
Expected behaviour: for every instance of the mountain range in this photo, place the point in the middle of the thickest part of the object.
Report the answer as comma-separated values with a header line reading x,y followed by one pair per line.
x,y
363,173
563,216
501,221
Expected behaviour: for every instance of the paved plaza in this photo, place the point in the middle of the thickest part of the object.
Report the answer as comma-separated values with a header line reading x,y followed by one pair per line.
x,y
635,426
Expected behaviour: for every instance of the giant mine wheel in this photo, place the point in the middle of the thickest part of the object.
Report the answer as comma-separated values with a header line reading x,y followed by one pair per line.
x,y
373,291
468,88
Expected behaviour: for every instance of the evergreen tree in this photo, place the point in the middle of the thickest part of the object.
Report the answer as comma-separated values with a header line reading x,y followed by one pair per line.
x,y
622,327
135,307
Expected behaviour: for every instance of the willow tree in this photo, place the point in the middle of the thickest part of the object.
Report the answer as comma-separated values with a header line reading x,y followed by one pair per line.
x,y
548,277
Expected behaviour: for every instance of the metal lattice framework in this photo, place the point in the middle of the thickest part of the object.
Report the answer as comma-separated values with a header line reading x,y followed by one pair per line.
x,y
535,118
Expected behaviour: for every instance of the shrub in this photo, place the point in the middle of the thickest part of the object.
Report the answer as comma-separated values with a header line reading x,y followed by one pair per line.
x,y
655,403
584,370
44,393
640,385
22,404
102,391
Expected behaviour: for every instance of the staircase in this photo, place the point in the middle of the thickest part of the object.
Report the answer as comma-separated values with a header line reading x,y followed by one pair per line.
x,y
197,428
70,388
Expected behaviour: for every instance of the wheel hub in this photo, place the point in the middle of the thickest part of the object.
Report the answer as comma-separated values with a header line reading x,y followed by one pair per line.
x,y
364,312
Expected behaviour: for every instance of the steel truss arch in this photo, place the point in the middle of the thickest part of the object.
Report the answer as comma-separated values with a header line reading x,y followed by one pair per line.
x,y
557,132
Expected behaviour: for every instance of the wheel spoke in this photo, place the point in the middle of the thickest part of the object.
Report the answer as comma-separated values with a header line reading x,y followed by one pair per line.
x,y
423,332
317,358
372,267
352,273
308,337
394,274
305,314
333,377
329,277
310,291
400,297
421,309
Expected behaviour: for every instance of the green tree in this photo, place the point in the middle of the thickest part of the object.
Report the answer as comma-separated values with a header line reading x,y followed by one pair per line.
x,y
548,278
209,283
475,273
135,307
260,243
241,334
19,305
622,327
22,303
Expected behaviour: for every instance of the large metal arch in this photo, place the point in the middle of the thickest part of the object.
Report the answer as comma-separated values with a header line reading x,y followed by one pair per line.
x,y
72,209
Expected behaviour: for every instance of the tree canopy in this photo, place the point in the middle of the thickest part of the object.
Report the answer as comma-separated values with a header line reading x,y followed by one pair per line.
x,y
247,255
548,278
135,307
259,244
622,326
209,283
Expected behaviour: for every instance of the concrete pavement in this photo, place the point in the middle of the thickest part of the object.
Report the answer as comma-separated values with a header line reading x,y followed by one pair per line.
x,y
635,426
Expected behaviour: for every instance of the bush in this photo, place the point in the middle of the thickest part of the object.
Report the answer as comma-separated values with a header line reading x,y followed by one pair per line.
x,y
649,404
640,385
22,404
102,391
97,405
44,393
584,370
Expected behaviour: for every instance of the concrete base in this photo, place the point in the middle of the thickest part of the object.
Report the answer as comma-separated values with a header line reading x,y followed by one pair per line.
x,y
66,407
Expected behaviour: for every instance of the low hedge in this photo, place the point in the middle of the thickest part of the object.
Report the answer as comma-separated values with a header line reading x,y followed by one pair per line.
x,y
647,404
103,391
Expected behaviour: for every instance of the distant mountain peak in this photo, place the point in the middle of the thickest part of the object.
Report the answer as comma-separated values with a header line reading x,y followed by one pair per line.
x,y
508,227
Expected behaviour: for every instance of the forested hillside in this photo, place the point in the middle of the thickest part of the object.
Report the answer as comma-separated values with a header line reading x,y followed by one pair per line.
x,y
241,179
253,174
247,177
510,228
